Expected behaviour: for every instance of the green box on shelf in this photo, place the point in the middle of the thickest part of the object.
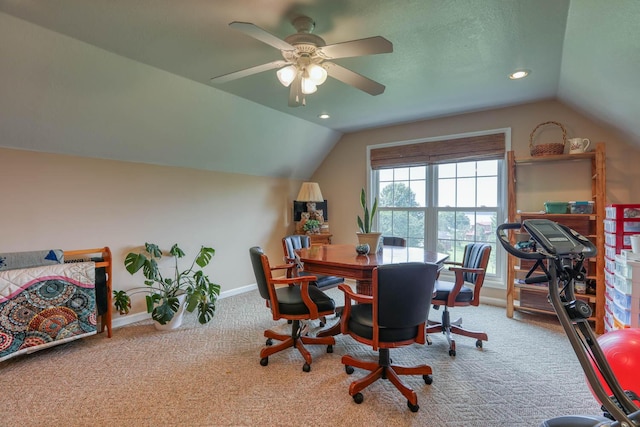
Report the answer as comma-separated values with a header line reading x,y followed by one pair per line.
x,y
556,207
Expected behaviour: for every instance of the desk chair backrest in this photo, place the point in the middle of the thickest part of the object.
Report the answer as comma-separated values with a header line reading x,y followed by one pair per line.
x,y
255,253
394,241
402,293
290,244
476,255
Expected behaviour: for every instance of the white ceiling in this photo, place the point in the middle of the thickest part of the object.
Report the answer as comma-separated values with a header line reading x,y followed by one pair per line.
x,y
449,57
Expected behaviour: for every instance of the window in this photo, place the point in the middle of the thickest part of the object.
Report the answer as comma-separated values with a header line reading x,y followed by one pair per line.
x,y
444,205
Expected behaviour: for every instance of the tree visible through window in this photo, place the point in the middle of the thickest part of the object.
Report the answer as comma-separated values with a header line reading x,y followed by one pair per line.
x,y
441,207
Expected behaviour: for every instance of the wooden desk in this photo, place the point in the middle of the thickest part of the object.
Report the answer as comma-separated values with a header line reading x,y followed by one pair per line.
x,y
320,239
343,261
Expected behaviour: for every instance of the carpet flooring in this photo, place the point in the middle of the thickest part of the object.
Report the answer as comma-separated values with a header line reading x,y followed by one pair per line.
x,y
210,375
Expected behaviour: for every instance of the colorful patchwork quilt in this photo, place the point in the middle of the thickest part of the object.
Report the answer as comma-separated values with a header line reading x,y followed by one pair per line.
x,y
45,306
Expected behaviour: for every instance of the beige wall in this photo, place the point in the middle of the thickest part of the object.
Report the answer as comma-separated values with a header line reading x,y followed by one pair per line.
x,y
344,171
59,201
69,202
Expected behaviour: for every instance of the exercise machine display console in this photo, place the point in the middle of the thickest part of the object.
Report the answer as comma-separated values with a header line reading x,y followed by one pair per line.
x,y
553,237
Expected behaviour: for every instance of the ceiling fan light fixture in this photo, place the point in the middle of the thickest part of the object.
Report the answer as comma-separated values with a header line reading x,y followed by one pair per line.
x,y
308,86
287,74
317,74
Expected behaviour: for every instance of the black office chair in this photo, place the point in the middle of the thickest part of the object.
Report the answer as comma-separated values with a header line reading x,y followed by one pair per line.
x,y
298,241
469,277
394,315
394,241
296,302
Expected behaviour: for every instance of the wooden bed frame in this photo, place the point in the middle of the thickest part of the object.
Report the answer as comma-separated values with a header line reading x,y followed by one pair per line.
x,y
105,255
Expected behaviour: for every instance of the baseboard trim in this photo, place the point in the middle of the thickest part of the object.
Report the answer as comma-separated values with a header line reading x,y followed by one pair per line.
x,y
498,302
138,317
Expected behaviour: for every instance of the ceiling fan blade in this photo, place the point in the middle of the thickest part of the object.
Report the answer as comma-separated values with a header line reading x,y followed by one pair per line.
x,y
260,34
354,79
296,97
362,47
249,71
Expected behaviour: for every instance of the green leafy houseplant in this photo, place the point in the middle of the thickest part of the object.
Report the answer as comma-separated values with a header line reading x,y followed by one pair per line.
x,y
311,226
366,223
162,292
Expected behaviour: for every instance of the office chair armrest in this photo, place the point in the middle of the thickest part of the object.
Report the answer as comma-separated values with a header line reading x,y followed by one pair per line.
x,y
350,295
282,266
290,267
303,282
460,271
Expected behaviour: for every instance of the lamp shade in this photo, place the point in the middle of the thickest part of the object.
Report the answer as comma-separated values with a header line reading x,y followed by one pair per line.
x,y
308,87
316,74
310,192
287,74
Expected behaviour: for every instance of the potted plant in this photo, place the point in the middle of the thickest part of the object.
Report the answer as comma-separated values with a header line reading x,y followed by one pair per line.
x,y
163,297
366,236
311,226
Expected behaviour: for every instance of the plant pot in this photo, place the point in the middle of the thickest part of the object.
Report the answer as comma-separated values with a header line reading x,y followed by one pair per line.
x,y
176,320
373,239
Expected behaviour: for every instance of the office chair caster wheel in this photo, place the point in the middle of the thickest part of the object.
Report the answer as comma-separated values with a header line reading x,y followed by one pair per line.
x,y
306,367
452,353
269,342
264,361
428,379
348,369
479,343
452,348
414,408
329,348
358,398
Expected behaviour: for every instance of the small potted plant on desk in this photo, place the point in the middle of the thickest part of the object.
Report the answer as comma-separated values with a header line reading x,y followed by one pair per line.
x,y
312,226
366,236
168,297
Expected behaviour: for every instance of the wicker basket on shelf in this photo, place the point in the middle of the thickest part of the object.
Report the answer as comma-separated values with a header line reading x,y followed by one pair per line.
x,y
549,149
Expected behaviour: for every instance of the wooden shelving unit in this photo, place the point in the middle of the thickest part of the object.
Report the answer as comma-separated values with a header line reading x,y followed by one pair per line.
x,y
591,225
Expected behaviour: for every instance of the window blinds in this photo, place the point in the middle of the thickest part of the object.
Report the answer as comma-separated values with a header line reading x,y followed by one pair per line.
x,y
474,148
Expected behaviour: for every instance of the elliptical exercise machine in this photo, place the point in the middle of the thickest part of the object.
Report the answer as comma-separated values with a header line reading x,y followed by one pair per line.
x,y
560,252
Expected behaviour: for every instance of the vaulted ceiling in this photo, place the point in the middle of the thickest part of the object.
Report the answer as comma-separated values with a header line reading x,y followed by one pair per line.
x,y
449,57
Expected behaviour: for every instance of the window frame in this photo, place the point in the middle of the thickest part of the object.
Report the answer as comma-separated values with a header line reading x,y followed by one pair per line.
x,y
495,281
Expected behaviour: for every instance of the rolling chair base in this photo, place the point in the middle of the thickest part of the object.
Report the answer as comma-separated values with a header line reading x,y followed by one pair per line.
x,y
385,370
447,327
294,340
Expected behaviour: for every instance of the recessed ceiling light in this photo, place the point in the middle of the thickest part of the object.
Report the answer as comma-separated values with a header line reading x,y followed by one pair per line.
x,y
520,74
324,116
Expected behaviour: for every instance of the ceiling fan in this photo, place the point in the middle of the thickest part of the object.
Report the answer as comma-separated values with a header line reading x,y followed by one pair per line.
x,y
306,59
